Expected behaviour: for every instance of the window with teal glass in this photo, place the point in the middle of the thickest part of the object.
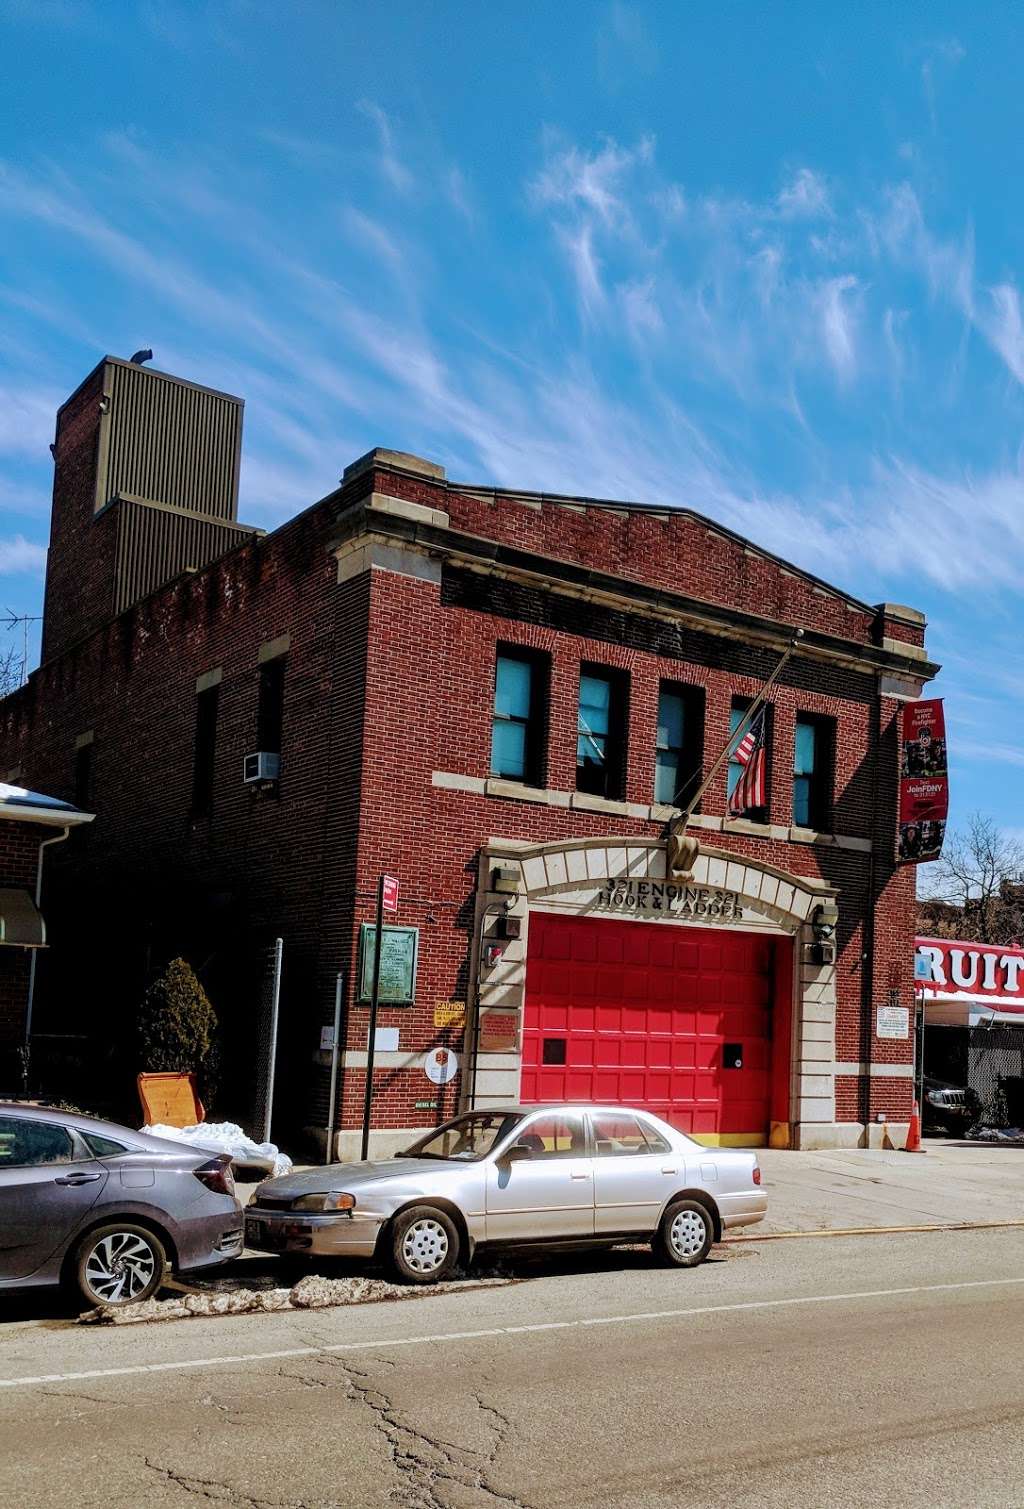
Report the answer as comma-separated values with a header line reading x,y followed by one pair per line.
x,y
515,727
668,756
600,733
812,771
679,743
736,716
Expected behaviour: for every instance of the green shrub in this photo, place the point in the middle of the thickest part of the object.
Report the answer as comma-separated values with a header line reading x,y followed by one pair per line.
x,y
177,1028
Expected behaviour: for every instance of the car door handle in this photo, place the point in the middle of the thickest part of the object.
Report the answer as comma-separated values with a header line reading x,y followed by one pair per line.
x,y
579,1174
669,1168
82,1178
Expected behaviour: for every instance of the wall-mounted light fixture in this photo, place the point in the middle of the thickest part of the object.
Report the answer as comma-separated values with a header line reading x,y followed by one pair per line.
x,y
824,921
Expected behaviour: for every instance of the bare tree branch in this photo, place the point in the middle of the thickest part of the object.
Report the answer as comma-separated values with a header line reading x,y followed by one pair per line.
x,y
977,886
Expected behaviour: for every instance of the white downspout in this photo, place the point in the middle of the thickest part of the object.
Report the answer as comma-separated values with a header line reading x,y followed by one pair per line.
x,y
57,839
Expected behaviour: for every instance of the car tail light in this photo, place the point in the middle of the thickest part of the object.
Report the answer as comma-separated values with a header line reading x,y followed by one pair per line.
x,y
217,1175
757,1173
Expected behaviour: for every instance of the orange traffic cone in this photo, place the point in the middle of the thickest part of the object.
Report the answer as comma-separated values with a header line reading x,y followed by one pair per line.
x,y
914,1132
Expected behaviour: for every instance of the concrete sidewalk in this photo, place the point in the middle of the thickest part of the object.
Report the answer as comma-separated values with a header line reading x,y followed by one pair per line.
x,y
864,1188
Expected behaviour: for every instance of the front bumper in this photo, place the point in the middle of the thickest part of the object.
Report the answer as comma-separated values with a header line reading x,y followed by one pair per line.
x,y
335,1234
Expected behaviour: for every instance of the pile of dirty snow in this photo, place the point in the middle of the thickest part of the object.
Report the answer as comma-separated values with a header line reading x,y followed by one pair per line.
x,y
310,1293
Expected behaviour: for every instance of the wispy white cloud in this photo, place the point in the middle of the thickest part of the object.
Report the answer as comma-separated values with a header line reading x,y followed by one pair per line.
x,y
804,197
1001,322
391,165
26,419
835,303
19,557
592,182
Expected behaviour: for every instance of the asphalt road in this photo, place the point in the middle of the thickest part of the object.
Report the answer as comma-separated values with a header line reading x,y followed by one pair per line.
x,y
844,1371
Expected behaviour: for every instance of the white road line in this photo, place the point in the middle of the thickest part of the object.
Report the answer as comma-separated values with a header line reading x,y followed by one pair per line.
x,y
642,1316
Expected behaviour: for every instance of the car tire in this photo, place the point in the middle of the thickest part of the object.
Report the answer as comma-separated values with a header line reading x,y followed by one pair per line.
x,y
118,1264
685,1235
423,1245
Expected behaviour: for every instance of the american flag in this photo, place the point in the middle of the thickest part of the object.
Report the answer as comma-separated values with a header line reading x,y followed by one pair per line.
x,y
749,792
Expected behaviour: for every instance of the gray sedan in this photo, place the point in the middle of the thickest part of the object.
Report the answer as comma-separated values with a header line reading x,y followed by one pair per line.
x,y
103,1209
567,1175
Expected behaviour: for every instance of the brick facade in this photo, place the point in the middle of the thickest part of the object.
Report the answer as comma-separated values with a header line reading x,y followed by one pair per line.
x,y
394,593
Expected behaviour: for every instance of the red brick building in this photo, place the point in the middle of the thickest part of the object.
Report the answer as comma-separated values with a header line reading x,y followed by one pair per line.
x,y
503,699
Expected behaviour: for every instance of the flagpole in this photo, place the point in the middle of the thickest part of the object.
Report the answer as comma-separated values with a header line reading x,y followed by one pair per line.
x,y
678,823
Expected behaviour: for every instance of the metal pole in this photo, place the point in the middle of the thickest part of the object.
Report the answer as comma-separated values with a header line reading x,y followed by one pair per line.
x,y
371,1041
272,1047
328,1156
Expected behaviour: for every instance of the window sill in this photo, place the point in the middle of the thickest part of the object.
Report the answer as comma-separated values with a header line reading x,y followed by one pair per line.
x,y
656,812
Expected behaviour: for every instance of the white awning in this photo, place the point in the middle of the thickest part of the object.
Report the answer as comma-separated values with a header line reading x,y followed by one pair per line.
x,y
22,805
21,921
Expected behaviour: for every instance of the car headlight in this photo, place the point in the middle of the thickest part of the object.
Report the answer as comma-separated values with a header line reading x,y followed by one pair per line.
x,y
330,1200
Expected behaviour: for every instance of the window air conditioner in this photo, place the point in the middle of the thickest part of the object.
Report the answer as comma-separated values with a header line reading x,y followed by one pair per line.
x,y
262,766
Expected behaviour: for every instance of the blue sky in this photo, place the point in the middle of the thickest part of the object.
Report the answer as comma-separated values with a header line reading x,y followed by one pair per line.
x,y
762,260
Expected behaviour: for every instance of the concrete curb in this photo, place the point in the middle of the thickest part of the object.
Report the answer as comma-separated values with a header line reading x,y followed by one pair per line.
x,y
872,1231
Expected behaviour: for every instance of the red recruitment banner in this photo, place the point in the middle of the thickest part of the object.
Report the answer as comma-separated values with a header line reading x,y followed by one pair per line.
x,y
982,974
924,782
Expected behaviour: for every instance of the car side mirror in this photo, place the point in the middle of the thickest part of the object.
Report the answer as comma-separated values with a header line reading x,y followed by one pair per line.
x,y
517,1153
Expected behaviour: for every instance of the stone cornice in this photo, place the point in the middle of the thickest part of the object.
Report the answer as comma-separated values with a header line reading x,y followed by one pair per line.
x,y
511,563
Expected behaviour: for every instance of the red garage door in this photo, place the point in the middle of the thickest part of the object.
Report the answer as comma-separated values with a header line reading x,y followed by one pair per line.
x,y
676,1019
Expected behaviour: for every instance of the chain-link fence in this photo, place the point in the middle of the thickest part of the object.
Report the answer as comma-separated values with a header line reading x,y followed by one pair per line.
x,y
268,1003
995,1072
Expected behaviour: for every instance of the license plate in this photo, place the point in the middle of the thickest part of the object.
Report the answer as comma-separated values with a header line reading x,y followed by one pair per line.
x,y
269,1233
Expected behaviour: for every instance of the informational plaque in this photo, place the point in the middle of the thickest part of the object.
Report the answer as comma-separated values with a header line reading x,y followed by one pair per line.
x,y
398,950
893,1021
499,1032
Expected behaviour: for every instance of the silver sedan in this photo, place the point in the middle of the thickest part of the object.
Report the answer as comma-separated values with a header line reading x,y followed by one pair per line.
x,y
566,1175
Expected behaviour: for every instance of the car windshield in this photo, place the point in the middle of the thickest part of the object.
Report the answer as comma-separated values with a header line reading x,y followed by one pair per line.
x,y
467,1138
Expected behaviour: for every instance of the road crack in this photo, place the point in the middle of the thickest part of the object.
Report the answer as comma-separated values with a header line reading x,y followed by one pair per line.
x,y
427,1464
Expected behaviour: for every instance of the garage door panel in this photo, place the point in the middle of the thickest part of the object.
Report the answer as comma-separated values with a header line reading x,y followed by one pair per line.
x,y
609,946
609,1018
685,989
582,1018
687,956
662,985
635,946
662,948
651,1016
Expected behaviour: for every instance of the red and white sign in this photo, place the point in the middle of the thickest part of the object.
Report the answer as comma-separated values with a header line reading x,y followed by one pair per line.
x,y
389,893
968,983
924,782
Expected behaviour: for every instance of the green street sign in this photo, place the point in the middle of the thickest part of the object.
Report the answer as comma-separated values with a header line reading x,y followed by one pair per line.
x,y
398,951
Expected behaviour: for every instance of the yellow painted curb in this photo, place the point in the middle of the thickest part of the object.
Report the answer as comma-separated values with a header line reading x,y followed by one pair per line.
x,y
873,1231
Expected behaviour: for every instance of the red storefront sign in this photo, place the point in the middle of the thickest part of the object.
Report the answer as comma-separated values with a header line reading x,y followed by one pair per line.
x,y
982,976
924,782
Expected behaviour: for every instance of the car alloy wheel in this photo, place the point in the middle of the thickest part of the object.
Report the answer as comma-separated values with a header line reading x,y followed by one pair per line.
x,y
425,1246
688,1233
120,1267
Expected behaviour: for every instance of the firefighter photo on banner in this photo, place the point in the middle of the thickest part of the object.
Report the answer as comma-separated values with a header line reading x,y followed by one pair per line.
x,y
924,782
